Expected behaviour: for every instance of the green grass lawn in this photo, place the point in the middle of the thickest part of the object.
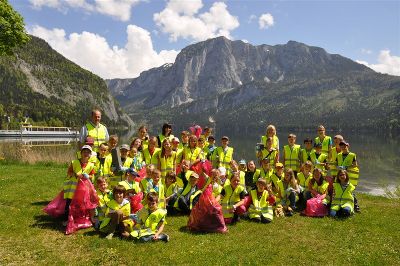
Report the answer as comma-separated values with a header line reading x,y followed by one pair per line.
x,y
29,236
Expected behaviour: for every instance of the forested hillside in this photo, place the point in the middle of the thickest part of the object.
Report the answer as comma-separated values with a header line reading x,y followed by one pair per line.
x,y
40,83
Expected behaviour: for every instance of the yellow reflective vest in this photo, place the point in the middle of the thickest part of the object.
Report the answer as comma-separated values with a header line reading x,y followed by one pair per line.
x,y
304,180
167,164
104,198
230,198
222,158
150,158
342,198
326,142
347,163
148,222
113,206
275,141
98,133
260,206
191,155
71,182
332,163
292,157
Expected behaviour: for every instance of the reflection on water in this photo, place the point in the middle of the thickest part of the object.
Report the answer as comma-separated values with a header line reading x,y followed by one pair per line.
x,y
378,157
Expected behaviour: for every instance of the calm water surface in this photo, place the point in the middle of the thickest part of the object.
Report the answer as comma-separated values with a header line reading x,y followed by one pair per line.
x,y
378,157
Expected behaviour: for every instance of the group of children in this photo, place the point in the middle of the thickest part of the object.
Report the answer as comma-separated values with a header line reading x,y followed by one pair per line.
x,y
161,174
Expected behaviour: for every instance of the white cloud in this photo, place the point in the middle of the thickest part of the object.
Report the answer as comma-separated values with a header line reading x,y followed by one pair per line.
x,y
91,51
119,9
387,63
366,51
181,19
265,21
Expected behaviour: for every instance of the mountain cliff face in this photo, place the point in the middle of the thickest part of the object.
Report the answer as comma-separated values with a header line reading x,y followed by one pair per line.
x,y
292,85
40,83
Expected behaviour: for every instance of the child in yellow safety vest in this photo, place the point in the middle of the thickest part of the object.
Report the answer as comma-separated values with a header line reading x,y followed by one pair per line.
x,y
260,210
342,199
348,161
232,200
317,185
78,169
105,195
117,215
291,190
188,196
303,177
150,221
170,190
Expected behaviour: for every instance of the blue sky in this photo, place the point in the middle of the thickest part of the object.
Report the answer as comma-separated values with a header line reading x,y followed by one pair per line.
x,y
121,38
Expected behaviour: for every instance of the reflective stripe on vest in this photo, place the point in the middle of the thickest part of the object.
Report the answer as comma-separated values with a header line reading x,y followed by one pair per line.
x,y
342,198
70,183
292,157
260,207
167,164
230,198
325,144
224,157
97,133
352,171
274,141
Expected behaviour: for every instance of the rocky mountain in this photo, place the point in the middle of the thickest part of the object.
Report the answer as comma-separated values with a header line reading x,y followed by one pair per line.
x,y
40,83
291,85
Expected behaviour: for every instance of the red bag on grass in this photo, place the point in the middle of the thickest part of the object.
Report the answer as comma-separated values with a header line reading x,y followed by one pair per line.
x,y
136,202
315,207
85,199
56,207
206,215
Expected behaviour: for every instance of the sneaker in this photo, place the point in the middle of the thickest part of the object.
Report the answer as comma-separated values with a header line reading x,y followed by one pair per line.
x,y
289,213
166,238
110,236
357,209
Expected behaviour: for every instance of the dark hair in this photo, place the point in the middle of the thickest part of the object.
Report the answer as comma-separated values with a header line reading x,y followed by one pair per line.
x,y
119,189
152,196
307,140
170,175
164,128
321,179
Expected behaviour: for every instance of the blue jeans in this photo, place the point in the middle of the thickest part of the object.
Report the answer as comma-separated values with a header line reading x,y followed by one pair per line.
x,y
343,212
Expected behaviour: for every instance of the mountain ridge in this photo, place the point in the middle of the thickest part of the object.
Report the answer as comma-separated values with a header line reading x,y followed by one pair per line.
x,y
40,83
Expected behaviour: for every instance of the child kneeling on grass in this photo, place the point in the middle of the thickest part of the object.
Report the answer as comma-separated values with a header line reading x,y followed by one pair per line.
x,y
150,221
260,210
117,216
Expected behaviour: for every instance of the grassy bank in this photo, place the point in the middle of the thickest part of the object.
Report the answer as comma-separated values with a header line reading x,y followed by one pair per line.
x,y
28,236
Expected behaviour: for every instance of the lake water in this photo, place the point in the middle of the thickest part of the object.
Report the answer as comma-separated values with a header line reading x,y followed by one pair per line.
x,y
378,156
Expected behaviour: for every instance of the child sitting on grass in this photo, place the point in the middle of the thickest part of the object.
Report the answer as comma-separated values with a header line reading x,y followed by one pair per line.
x,y
105,196
343,200
260,210
150,221
117,215
232,200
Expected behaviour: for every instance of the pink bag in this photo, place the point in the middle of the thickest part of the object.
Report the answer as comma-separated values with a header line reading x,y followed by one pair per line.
x,y
85,199
196,130
315,207
206,215
199,168
56,207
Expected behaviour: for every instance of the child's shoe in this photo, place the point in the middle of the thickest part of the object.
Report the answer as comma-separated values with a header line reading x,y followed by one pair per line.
x,y
110,236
